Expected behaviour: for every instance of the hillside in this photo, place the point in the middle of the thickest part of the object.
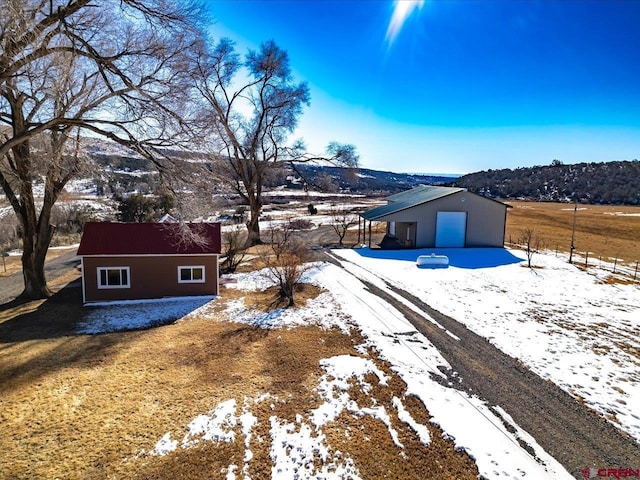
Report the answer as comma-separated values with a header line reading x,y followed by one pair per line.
x,y
121,171
364,180
613,183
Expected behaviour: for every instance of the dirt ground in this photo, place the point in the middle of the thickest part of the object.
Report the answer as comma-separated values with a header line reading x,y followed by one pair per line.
x,y
89,407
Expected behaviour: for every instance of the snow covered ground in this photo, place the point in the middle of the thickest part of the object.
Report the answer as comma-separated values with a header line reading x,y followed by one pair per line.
x,y
104,317
567,325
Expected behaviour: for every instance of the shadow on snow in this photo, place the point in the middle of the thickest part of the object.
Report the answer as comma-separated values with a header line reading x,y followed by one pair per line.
x,y
458,257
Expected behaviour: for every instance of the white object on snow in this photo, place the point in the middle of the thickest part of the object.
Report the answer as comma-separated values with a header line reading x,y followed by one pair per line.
x,y
432,260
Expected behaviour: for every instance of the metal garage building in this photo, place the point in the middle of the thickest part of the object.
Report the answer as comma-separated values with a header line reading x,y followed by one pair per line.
x,y
441,217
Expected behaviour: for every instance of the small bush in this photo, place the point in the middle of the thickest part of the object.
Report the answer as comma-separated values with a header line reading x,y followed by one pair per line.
x,y
531,243
300,224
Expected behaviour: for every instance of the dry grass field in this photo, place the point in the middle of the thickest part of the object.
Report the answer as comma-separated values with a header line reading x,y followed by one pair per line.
x,y
604,231
89,407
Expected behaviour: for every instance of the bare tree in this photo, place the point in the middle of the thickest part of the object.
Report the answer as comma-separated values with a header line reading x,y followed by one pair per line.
x,y
252,120
326,183
69,218
286,260
115,68
342,219
531,243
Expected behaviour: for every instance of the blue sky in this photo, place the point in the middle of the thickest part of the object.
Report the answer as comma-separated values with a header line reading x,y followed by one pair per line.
x,y
459,85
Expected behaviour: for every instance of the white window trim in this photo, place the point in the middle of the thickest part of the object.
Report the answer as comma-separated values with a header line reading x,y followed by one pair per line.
x,y
191,267
108,287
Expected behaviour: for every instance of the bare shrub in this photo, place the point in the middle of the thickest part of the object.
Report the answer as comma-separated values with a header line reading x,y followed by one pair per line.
x,y
286,260
531,243
300,224
326,183
69,218
233,250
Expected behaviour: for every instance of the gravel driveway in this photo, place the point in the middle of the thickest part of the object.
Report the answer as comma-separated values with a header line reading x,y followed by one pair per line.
x,y
568,430
13,285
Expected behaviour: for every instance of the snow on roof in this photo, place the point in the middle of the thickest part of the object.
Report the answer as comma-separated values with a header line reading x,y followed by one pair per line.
x,y
113,238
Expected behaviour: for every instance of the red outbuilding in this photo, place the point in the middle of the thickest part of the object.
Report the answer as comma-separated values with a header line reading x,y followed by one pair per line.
x,y
130,261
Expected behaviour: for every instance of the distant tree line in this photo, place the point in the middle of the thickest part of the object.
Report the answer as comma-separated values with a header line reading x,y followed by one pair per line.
x,y
611,183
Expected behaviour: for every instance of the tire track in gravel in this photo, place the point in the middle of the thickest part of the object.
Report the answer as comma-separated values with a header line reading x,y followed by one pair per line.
x,y
569,431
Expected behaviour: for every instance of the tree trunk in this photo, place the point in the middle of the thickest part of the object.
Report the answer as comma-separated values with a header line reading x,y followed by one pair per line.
x,y
253,232
253,226
36,232
35,283
286,295
291,303
35,245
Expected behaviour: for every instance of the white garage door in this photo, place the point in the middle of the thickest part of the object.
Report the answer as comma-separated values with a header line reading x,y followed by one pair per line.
x,y
451,229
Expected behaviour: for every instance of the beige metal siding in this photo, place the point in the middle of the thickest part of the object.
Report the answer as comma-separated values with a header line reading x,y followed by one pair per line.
x,y
151,277
485,219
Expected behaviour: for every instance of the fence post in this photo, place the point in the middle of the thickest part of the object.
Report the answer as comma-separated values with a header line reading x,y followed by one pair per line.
x,y
586,258
635,274
615,262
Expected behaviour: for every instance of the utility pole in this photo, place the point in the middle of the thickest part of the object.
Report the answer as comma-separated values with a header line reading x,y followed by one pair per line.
x,y
573,232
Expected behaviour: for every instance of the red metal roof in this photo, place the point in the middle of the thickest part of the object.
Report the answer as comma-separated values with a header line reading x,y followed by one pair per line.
x,y
112,238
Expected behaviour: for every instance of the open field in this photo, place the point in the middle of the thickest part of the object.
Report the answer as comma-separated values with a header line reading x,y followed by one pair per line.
x,y
602,230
